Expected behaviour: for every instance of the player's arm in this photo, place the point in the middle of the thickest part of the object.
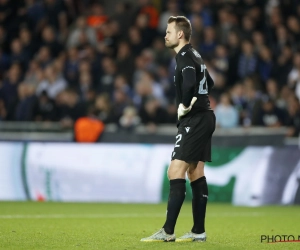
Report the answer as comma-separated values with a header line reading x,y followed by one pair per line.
x,y
188,86
210,82
188,72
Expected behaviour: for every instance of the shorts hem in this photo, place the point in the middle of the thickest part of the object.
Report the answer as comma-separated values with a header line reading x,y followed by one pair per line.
x,y
187,161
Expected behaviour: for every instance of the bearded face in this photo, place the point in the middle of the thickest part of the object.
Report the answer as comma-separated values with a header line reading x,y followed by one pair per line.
x,y
171,38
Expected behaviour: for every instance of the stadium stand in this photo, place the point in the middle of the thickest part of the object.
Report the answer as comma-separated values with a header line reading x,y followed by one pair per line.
x,y
65,59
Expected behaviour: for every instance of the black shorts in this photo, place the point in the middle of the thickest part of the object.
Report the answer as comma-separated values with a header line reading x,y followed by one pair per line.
x,y
193,140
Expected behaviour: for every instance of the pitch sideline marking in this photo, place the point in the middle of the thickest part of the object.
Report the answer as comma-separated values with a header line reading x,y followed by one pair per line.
x,y
132,215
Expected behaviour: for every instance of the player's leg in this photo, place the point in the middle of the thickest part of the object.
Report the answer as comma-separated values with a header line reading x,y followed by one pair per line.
x,y
200,133
176,175
200,195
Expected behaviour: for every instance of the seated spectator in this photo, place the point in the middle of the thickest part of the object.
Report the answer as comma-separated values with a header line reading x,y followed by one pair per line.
x,y
53,84
125,60
9,90
269,114
75,32
226,114
102,109
27,98
265,63
71,108
294,76
34,75
2,111
105,83
152,113
85,84
44,109
71,67
208,45
130,119
49,40
293,121
43,56
247,64
19,54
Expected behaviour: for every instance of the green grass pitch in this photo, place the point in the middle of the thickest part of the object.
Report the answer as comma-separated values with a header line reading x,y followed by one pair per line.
x,y
32,225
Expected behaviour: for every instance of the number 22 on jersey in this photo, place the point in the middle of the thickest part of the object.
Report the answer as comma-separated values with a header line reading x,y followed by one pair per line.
x,y
203,82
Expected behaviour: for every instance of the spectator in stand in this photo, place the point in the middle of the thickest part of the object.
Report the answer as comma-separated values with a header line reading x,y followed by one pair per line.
x,y
226,114
85,85
52,84
135,40
91,49
103,108
294,76
130,119
19,54
208,45
125,60
259,42
198,8
253,102
152,114
71,108
34,75
238,99
44,109
283,65
71,67
120,102
293,121
80,27
293,25
122,15
121,83
172,9
147,33
49,40
43,56
272,92
9,90
247,27
247,64
2,110
220,61
28,43
225,24
233,57
106,81
162,55
27,98
269,115
55,14
265,63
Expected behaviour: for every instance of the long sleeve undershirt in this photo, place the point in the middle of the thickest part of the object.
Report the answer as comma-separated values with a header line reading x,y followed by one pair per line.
x,y
188,85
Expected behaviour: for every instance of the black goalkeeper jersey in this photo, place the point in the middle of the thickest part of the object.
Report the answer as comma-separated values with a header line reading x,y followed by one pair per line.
x,y
192,79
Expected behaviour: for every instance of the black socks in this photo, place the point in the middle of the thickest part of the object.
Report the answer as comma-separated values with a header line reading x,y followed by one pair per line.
x,y
200,195
176,198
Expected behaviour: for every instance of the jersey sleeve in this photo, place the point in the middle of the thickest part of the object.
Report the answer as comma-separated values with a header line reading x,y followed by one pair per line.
x,y
188,72
210,82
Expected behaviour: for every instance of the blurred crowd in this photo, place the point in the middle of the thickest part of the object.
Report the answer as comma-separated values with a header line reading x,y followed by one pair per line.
x,y
65,59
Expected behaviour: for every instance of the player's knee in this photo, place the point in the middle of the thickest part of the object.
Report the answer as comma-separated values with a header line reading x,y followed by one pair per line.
x,y
174,173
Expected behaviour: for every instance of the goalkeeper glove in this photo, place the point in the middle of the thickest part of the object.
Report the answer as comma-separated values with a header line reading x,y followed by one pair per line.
x,y
182,111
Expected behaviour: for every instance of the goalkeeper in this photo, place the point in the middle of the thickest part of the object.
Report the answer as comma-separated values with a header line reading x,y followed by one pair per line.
x,y
196,124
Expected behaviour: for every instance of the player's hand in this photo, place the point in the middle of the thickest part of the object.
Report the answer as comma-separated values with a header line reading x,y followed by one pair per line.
x,y
182,110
